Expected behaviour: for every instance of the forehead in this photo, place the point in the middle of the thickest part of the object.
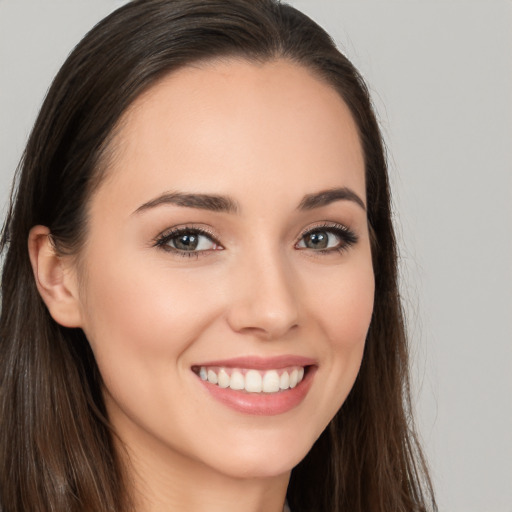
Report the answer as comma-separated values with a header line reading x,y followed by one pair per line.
x,y
232,123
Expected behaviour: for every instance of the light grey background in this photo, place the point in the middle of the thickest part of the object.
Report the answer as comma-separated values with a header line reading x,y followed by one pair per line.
x,y
441,76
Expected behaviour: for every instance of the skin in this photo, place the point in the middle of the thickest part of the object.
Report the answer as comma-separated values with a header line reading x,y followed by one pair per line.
x,y
266,135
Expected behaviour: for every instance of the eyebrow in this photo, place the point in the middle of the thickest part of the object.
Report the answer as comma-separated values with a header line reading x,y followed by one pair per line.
x,y
326,197
209,202
218,203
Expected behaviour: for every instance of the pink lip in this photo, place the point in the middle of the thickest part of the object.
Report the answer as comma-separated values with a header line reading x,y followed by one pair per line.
x,y
262,404
261,363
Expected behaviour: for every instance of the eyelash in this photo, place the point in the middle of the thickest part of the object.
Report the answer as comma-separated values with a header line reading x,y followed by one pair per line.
x,y
347,238
163,240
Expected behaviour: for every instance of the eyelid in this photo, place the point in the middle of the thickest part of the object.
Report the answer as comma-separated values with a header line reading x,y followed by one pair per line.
x,y
162,239
347,235
325,225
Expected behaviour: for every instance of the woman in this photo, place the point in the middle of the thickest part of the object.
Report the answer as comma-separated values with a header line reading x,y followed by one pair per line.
x,y
207,315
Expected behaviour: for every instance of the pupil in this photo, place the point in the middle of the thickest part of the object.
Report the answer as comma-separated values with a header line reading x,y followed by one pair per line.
x,y
186,242
318,240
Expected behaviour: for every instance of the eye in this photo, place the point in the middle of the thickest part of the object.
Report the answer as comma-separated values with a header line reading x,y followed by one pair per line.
x,y
327,238
187,240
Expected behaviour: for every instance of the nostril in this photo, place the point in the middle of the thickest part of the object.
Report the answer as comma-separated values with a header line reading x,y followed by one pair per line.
x,y
262,323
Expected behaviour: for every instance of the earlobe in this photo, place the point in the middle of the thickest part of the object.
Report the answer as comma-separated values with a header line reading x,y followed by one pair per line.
x,y
55,278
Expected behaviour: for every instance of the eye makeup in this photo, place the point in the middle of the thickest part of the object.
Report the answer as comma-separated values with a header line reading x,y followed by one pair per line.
x,y
321,237
192,241
187,241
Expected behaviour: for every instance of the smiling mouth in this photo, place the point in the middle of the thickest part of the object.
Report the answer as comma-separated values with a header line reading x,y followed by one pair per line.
x,y
252,380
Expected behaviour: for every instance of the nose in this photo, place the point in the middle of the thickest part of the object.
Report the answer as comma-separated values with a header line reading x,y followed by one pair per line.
x,y
264,299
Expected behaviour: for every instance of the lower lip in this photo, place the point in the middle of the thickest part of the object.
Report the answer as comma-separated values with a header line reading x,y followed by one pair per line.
x,y
262,404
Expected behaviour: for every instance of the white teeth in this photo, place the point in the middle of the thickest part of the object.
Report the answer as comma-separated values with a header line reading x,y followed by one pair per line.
x,y
253,381
237,381
223,378
271,382
284,381
293,378
212,377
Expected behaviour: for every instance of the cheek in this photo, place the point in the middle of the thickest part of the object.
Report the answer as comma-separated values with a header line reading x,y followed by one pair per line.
x,y
346,306
141,321
345,311
137,315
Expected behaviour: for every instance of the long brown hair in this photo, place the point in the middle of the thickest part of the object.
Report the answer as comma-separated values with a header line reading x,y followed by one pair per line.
x,y
56,448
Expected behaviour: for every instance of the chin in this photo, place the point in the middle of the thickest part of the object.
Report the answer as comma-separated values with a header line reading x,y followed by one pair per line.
x,y
264,460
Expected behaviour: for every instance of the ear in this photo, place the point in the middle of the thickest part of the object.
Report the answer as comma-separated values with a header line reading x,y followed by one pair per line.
x,y
55,278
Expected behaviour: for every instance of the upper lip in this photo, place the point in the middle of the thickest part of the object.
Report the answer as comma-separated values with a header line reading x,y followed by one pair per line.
x,y
261,363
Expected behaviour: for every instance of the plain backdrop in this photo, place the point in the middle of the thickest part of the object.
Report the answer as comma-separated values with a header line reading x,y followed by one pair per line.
x,y
441,77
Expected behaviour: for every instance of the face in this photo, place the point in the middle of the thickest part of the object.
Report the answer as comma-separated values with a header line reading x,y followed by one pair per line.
x,y
226,284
